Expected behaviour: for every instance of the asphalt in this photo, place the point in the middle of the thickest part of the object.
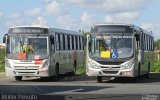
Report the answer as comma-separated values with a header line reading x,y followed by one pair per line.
x,y
80,88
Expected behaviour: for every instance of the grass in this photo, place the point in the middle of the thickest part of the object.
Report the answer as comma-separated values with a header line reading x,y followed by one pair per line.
x,y
2,60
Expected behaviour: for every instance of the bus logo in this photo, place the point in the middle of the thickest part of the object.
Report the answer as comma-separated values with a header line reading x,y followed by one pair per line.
x,y
114,54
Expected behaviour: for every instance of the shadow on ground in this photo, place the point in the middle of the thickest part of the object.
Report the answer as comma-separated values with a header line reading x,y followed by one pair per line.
x,y
153,78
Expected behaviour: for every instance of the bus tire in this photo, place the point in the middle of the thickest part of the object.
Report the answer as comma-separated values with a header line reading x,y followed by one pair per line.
x,y
74,68
99,79
18,78
57,71
134,79
148,71
139,70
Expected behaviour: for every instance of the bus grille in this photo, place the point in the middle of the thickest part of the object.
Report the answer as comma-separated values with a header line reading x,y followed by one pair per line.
x,y
26,72
26,67
110,72
109,63
110,67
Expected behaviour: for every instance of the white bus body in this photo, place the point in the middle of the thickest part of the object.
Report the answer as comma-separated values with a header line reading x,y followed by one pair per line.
x,y
118,50
55,51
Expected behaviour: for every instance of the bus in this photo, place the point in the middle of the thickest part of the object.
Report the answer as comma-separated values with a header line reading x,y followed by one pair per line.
x,y
118,50
42,51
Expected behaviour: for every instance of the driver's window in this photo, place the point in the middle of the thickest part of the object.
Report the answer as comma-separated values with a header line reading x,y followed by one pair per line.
x,y
52,43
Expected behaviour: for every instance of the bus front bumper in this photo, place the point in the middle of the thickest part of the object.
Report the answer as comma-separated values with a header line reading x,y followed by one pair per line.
x,y
111,73
38,73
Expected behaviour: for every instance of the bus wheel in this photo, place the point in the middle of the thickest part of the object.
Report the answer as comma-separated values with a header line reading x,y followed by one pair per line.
x,y
18,78
147,75
57,70
134,79
99,79
139,70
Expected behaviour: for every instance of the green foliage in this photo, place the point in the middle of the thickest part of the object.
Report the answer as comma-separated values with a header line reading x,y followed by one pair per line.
x,y
80,70
156,66
157,44
2,58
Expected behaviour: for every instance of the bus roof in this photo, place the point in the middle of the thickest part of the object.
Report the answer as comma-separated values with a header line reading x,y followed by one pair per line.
x,y
123,24
34,26
50,29
65,31
118,24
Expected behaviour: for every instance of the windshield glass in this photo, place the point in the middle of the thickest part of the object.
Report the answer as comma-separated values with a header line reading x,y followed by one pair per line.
x,y
30,46
111,46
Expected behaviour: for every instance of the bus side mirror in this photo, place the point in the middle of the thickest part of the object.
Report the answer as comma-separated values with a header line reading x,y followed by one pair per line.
x,y
89,43
137,37
52,39
5,38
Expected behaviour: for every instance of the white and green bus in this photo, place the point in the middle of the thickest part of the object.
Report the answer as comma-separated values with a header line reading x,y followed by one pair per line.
x,y
118,50
47,51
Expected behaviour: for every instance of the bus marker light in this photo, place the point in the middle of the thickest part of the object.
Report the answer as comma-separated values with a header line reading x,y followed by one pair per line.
x,y
37,57
44,71
38,61
127,73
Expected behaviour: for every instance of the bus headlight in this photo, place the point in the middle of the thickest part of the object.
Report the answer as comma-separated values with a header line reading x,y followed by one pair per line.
x,y
128,65
46,64
92,65
8,64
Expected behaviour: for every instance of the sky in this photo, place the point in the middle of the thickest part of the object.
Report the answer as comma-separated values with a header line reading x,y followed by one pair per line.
x,y
79,14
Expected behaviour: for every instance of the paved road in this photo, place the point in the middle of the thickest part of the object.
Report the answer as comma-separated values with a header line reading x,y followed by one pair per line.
x,y
86,88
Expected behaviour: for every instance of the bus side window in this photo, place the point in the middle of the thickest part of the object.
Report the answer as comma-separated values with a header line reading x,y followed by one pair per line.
x,y
80,43
145,39
68,39
57,42
61,42
71,42
142,41
66,42
137,39
76,42
74,37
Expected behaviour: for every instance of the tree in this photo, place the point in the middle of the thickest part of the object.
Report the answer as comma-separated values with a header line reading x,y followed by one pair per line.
x,y
157,44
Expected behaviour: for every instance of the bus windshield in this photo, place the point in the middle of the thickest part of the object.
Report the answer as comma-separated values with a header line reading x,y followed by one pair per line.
x,y
111,46
33,46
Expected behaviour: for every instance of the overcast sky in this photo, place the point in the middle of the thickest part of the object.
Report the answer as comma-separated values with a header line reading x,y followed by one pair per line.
x,y
79,14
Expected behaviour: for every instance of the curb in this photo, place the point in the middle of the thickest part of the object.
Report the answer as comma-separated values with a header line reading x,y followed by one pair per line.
x,y
154,75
